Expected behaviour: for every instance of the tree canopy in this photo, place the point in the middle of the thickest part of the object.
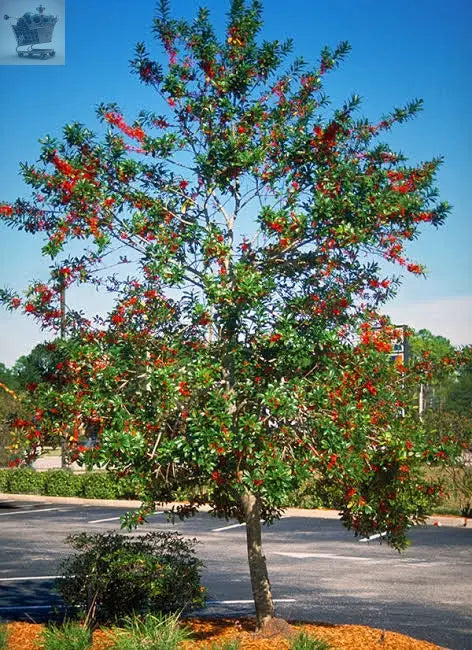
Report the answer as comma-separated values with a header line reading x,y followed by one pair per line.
x,y
246,351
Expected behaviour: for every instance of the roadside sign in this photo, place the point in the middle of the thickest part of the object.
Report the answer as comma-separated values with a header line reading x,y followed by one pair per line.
x,y
399,354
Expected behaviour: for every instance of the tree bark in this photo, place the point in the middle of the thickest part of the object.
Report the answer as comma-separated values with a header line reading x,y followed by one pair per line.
x,y
257,563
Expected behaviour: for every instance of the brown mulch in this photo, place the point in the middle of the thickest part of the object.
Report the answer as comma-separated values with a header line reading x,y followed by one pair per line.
x,y
25,636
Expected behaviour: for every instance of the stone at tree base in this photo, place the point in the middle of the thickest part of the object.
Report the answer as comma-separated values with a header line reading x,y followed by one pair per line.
x,y
274,627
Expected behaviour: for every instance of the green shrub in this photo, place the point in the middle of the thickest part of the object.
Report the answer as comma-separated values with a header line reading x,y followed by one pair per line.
x,y
127,488
114,575
99,485
316,493
304,497
152,632
62,483
104,485
25,481
306,642
4,479
67,636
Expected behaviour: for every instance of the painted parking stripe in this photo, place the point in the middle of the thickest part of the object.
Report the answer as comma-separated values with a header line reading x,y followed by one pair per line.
x,y
99,521
326,556
16,608
29,578
368,539
36,510
21,608
217,530
247,602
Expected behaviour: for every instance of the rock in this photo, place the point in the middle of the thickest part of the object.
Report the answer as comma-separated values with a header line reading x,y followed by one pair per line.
x,y
275,627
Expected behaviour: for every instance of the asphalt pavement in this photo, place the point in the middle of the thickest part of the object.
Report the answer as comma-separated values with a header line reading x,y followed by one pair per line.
x,y
318,570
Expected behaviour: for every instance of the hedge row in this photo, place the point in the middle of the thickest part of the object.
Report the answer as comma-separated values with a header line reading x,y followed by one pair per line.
x,y
64,483
101,485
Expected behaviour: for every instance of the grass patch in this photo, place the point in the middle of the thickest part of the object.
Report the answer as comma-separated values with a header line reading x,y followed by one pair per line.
x,y
70,635
151,632
306,642
3,636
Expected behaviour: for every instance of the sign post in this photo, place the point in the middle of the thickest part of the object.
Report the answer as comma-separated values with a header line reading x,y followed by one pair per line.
x,y
399,354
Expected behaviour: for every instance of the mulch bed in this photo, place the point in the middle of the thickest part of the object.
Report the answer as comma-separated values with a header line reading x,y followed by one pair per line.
x,y
25,636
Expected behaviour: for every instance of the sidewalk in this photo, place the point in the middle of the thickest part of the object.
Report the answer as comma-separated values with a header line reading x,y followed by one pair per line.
x,y
433,520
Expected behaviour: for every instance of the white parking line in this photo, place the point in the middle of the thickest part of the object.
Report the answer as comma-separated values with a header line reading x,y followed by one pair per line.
x,y
22,512
367,539
29,578
99,521
247,602
217,530
327,556
208,602
28,607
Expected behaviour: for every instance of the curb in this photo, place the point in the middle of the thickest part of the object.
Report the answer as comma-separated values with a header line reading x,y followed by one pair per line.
x,y
79,501
320,513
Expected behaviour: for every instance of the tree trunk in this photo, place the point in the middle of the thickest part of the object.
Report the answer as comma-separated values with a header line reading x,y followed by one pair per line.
x,y
421,401
257,563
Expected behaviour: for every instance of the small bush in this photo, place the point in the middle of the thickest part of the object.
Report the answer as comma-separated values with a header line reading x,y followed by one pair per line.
x,y
316,493
306,642
99,485
69,635
152,632
62,483
128,489
4,479
115,575
25,481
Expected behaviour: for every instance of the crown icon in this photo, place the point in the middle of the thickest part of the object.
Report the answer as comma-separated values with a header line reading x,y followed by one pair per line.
x,y
32,29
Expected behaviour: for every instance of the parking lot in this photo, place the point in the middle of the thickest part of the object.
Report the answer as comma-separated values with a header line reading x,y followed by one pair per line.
x,y
318,570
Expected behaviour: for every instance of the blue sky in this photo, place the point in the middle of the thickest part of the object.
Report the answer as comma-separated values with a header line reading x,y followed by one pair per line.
x,y
400,51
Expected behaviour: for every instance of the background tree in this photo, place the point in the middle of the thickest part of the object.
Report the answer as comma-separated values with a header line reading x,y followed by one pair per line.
x,y
244,352
37,366
447,396
458,398
6,376
445,407
40,366
11,409
429,348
